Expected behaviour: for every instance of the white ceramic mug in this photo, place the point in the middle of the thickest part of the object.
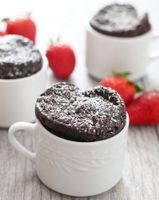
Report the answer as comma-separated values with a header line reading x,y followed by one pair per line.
x,y
74,168
105,53
18,97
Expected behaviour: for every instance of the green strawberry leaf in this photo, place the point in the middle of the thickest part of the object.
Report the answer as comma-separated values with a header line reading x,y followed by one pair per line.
x,y
123,74
137,87
6,19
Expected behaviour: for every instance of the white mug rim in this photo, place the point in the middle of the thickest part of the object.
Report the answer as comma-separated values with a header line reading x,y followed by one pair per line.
x,y
84,144
43,68
104,36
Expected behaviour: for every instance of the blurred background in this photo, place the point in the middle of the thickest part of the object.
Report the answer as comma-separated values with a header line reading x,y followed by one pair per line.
x,y
68,19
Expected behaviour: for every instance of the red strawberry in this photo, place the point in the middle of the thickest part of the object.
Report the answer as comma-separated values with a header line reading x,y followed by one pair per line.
x,y
144,110
25,27
61,59
122,85
2,33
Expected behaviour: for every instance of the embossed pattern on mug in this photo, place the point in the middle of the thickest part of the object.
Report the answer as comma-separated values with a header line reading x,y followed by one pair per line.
x,y
59,158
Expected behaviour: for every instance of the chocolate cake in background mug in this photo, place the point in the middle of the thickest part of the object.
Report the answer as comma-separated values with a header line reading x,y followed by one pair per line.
x,y
118,38
84,116
120,20
22,79
18,57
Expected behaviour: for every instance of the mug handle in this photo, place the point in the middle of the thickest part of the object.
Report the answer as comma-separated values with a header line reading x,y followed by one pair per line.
x,y
154,55
22,126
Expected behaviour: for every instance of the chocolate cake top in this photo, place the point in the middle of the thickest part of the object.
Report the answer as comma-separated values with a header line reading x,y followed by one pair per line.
x,y
120,20
90,115
18,57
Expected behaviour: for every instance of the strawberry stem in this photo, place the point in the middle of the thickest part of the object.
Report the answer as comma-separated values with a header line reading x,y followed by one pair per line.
x,y
28,14
58,39
53,42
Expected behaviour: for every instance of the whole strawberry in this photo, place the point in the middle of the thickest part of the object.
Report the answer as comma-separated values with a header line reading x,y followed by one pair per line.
x,y
120,83
144,110
61,60
24,26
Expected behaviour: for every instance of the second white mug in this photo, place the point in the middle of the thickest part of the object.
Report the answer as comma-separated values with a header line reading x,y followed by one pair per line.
x,y
105,54
18,96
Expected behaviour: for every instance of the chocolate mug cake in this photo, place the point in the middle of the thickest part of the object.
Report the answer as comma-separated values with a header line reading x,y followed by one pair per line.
x,y
22,79
120,20
83,116
18,57
82,137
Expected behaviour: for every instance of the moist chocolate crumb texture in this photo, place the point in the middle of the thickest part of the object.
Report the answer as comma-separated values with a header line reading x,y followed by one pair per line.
x,y
121,20
84,116
18,57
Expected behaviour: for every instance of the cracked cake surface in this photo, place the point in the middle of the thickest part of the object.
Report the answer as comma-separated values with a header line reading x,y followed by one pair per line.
x,y
86,116
121,20
18,57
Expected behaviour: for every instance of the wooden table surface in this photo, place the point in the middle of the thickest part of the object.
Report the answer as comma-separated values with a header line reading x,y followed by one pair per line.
x,y
140,179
